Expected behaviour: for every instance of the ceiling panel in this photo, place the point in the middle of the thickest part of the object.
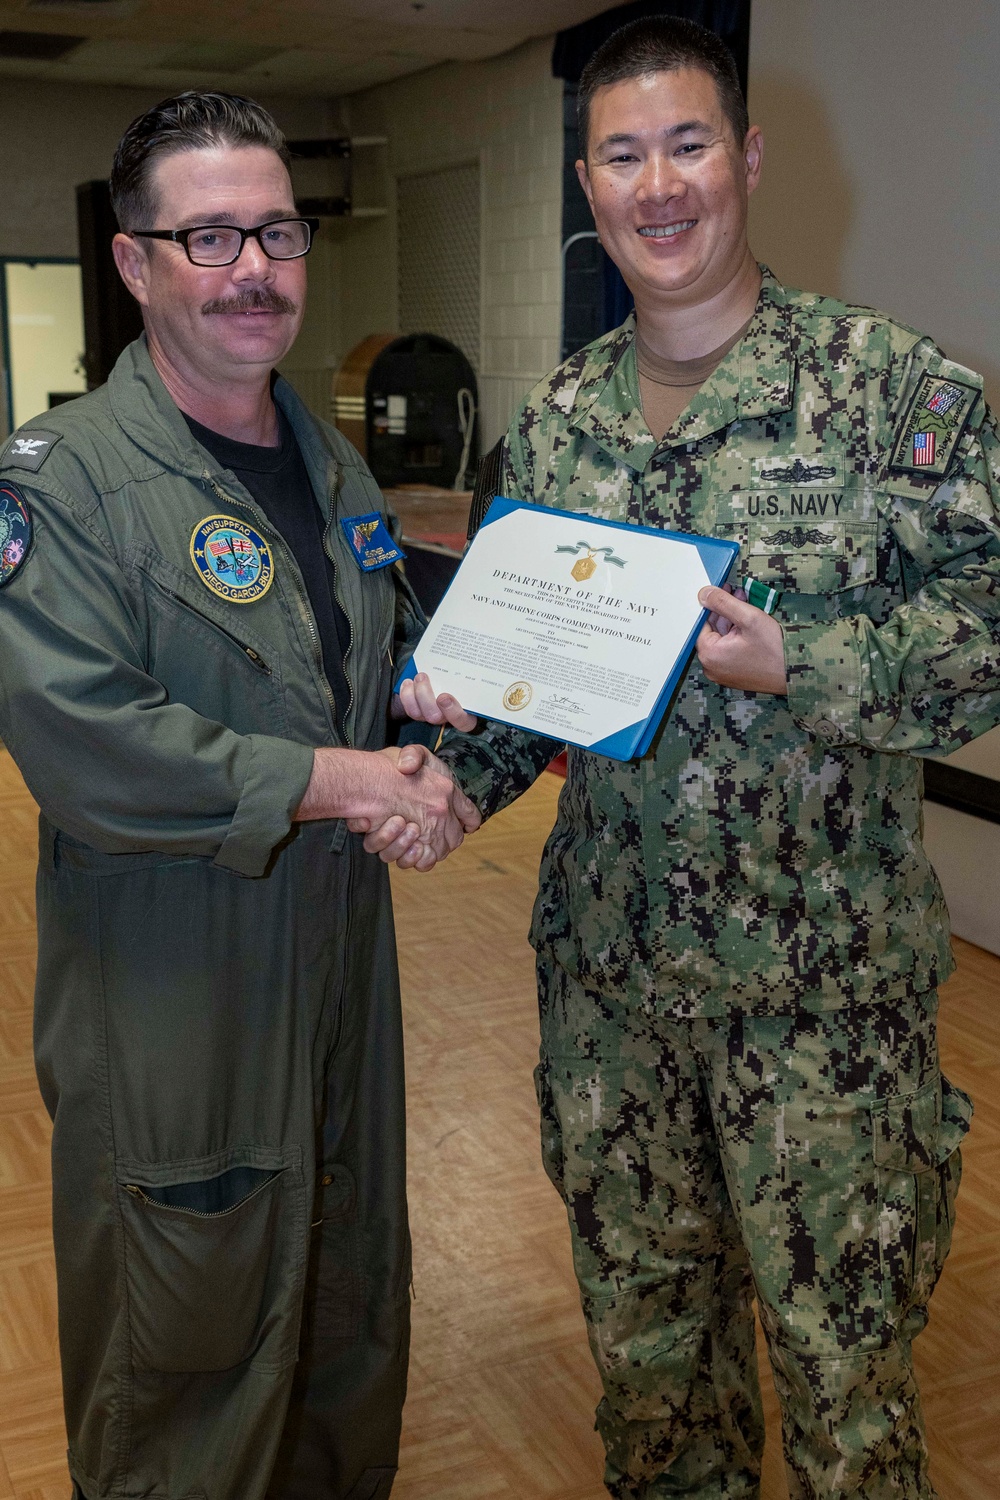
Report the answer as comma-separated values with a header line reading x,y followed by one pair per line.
x,y
321,47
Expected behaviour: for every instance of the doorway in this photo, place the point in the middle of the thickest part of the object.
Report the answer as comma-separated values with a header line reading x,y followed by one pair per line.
x,y
41,302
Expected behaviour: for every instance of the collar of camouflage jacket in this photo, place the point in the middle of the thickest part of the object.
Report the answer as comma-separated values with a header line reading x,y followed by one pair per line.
x,y
756,379
146,412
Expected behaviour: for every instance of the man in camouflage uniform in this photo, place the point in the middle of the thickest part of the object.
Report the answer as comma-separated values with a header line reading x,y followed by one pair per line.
x,y
739,935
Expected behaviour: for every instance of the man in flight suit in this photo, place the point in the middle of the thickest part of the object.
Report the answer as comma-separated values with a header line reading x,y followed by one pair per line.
x,y
199,615
739,935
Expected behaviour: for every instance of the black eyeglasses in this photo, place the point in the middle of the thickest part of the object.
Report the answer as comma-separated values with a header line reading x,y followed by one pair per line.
x,y
222,244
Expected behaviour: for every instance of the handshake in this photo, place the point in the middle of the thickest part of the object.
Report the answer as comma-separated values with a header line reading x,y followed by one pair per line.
x,y
424,816
404,801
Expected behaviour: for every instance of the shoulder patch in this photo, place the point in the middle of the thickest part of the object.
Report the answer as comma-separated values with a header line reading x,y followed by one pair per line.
x,y
30,447
15,531
937,416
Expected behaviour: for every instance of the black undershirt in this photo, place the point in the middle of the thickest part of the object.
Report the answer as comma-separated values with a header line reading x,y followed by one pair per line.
x,y
278,481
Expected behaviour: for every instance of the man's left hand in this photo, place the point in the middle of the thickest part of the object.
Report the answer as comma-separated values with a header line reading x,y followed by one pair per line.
x,y
417,700
740,646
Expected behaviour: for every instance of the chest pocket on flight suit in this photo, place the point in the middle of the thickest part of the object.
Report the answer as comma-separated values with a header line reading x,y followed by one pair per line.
x,y
207,653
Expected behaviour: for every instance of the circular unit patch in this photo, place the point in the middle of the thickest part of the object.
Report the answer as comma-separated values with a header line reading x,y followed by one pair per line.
x,y
232,559
15,531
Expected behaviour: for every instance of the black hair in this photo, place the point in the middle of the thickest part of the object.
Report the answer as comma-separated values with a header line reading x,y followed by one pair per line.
x,y
661,44
192,121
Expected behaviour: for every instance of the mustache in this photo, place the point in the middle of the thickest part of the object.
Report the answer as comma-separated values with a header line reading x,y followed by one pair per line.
x,y
251,299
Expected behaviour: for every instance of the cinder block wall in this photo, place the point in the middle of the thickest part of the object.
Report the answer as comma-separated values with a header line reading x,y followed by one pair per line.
x,y
506,113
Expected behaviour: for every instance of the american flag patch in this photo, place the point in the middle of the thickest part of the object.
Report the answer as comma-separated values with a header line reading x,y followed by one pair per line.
x,y
924,447
944,399
238,545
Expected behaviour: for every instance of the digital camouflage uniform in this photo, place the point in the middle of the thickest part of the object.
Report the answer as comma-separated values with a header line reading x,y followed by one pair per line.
x,y
218,1033
739,935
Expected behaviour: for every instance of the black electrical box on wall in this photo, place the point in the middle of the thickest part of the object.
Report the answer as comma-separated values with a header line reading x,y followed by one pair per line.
x,y
111,316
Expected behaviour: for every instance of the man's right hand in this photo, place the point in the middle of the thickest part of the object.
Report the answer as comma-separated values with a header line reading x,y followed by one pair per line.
x,y
392,840
415,819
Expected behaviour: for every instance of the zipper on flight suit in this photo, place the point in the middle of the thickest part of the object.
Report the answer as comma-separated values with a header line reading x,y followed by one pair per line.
x,y
196,1213
300,594
252,656
350,622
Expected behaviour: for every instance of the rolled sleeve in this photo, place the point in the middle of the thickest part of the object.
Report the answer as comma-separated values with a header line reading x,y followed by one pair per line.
x,y
277,776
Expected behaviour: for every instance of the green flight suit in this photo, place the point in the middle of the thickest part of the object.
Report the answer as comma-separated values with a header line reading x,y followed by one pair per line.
x,y
740,935
218,1032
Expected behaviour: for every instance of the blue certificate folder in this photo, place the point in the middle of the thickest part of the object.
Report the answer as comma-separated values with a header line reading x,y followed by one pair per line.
x,y
717,557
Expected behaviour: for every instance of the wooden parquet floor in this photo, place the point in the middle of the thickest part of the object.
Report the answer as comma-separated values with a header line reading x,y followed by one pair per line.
x,y
502,1390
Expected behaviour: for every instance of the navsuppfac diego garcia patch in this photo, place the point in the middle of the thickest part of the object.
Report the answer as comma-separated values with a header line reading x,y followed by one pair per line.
x,y
232,560
15,531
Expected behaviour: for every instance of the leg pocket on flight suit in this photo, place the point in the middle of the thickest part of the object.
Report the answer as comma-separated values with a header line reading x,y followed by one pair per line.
x,y
916,1140
214,1261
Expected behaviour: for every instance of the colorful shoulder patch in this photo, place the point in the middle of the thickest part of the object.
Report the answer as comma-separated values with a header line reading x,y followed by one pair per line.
x,y
370,541
30,447
15,531
232,560
937,417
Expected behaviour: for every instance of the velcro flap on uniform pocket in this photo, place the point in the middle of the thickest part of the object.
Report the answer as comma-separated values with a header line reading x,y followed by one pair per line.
x,y
956,1117
906,1129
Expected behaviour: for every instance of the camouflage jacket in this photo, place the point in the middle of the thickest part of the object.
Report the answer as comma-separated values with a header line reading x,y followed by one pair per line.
x,y
766,853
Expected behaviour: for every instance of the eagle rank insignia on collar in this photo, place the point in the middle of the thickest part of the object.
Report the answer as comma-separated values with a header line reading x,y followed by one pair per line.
x,y
369,540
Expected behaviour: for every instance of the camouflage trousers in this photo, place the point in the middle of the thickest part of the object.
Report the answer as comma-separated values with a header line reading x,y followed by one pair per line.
x,y
808,1160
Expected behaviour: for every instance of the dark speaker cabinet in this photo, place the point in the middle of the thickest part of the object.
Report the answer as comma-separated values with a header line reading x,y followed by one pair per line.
x,y
111,316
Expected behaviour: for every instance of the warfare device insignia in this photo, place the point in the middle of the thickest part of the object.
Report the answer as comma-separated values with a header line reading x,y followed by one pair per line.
x,y
798,473
798,537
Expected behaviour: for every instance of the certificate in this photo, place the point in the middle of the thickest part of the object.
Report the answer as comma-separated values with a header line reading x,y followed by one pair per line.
x,y
570,626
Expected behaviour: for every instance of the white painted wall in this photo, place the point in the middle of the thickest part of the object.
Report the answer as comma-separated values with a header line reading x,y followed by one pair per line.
x,y
882,137
508,112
